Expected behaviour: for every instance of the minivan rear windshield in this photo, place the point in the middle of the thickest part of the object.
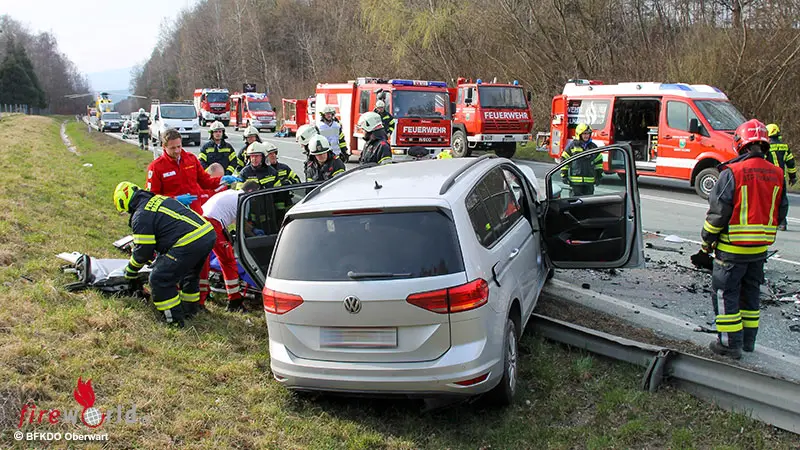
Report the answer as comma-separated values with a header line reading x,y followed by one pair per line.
x,y
178,112
410,244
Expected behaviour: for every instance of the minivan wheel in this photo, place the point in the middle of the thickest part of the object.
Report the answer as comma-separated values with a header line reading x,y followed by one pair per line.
x,y
503,393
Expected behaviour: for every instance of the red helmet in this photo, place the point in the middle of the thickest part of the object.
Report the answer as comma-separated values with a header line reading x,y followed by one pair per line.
x,y
749,132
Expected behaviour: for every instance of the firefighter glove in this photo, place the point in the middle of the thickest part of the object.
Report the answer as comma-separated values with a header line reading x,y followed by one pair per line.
x,y
186,199
707,247
792,179
228,179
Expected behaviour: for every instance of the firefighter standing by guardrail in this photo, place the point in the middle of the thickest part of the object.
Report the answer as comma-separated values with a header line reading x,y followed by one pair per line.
x,y
780,155
745,207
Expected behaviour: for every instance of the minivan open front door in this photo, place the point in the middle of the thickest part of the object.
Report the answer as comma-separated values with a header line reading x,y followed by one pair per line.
x,y
259,218
593,221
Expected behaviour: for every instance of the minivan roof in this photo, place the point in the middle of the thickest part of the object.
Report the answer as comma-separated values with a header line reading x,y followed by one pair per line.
x,y
409,180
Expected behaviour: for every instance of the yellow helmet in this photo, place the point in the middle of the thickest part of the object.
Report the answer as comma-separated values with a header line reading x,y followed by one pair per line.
x,y
445,154
773,130
582,128
123,194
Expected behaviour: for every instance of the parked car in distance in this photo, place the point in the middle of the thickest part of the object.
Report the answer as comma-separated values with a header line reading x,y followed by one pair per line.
x,y
110,121
419,278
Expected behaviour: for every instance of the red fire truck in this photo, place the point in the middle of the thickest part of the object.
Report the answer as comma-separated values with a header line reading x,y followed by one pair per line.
x,y
421,110
489,116
252,109
676,130
212,105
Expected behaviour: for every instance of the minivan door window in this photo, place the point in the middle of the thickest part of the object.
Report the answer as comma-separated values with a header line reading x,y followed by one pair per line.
x,y
492,207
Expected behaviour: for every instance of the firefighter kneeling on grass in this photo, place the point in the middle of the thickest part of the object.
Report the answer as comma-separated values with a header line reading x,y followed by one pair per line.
x,y
582,174
745,207
183,241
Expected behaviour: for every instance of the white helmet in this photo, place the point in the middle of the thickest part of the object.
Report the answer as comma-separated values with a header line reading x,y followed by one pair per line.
x,y
380,104
141,110
259,148
251,131
328,109
370,121
305,133
318,145
217,125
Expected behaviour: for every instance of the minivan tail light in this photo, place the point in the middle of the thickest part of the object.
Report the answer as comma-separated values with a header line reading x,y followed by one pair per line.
x,y
461,298
279,302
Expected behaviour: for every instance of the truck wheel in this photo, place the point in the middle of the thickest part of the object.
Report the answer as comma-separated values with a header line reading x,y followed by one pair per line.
x,y
506,150
460,147
705,181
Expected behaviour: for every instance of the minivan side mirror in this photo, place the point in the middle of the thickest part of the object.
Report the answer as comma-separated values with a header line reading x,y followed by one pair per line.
x,y
694,126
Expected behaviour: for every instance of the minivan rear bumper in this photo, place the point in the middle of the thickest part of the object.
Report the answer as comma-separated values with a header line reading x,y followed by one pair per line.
x,y
414,379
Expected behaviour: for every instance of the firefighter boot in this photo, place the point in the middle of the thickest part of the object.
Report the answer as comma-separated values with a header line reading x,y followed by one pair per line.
x,y
731,352
174,316
192,309
750,339
236,305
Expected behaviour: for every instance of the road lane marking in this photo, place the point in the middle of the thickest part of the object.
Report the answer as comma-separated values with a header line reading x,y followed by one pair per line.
x,y
693,204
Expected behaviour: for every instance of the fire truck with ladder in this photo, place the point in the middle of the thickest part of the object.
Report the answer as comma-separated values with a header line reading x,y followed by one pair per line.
x,y
212,105
676,130
489,116
421,110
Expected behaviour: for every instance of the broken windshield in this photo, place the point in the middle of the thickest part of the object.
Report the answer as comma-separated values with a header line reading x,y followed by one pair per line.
x,y
420,104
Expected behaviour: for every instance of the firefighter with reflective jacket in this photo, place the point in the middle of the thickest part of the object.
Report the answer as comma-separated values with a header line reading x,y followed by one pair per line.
x,y
303,137
745,207
285,174
218,150
250,135
330,127
143,124
181,238
582,174
780,155
326,165
377,149
386,117
257,168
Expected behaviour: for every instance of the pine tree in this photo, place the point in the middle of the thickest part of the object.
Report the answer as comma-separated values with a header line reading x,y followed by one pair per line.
x,y
18,83
40,99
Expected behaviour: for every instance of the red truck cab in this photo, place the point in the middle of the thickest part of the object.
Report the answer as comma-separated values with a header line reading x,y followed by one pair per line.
x,y
212,105
252,109
489,116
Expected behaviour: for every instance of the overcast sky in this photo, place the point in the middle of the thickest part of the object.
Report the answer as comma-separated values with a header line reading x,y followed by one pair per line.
x,y
98,35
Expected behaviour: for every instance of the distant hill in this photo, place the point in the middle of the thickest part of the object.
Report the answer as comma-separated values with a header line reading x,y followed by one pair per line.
x,y
115,82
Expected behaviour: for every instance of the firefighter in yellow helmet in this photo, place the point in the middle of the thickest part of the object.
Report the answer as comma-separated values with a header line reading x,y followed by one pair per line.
x,y
445,154
180,237
582,174
780,155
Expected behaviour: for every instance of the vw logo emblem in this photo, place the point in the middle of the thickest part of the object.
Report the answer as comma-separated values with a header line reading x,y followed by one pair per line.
x,y
352,304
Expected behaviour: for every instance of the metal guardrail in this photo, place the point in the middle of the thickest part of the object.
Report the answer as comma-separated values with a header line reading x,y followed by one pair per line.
x,y
769,399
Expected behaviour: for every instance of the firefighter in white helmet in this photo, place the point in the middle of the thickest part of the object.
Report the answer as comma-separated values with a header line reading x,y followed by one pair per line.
x,y
250,135
326,164
303,137
386,117
330,127
377,149
218,150
143,125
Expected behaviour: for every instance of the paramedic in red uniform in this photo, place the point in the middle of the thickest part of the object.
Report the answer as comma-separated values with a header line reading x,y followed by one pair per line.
x,y
745,207
178,173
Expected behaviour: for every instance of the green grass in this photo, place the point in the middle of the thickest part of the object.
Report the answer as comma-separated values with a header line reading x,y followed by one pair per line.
x,y
529,152
210,386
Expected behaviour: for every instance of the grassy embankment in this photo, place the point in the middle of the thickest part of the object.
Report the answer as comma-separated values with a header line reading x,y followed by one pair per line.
x,y
209,385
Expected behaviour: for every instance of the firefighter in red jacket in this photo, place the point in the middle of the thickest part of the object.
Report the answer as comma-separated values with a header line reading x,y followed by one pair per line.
x,y
745,208
178,173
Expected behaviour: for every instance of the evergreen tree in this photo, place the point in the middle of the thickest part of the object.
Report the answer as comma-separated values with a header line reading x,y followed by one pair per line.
x,y
18,83
39,99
